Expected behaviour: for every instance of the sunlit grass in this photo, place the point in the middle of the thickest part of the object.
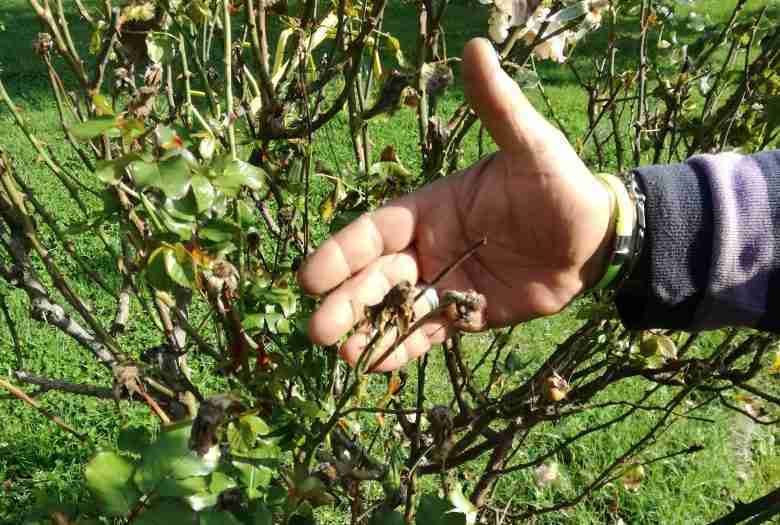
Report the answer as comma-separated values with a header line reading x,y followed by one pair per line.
x,y
38,459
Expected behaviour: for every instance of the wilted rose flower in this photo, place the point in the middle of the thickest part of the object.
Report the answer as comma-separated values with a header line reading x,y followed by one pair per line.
x,y
513,13
498,26
553,48
506,15
594,10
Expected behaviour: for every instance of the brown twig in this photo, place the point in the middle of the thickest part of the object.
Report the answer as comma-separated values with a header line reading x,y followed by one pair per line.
x,y
447,269
22,396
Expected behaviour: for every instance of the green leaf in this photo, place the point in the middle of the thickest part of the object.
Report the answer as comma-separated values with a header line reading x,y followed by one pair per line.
x,y
261,515
134,439
435,511
182,229
166,136
204,500
283,296
253,322
166,512
109,478
132,129
382,517
283,326
275,321
95,127
106,172
156,270
218,518
256,468
658,345
174,177
181,267
276,497
177,488
170,457
102,105
144,173
220,482
203,192
243,434
395,46
160,47
238,173
209,496
110,201
387,169
246,215
218,231
184,209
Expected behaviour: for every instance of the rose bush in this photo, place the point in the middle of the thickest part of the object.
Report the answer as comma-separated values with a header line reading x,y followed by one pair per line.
x,y
200,126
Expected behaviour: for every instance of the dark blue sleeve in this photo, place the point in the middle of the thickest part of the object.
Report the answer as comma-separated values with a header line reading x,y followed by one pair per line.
x,y
712,247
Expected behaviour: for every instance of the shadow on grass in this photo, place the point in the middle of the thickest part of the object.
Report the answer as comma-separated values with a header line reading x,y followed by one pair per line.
x,y
22,71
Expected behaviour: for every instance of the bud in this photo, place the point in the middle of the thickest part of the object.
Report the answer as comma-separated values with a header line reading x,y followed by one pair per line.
x,y
42,46
466,311
211,414
556,388
222,277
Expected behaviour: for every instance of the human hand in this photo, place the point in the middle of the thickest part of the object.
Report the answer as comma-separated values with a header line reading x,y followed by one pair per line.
x,y
545,217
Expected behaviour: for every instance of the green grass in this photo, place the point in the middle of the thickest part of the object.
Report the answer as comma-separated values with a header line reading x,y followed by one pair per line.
x,y
39,460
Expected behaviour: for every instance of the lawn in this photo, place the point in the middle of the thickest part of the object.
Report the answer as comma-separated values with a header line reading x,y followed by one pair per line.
x,y
38,460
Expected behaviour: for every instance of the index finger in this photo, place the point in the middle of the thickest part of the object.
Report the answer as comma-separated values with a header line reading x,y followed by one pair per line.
x,y
390,229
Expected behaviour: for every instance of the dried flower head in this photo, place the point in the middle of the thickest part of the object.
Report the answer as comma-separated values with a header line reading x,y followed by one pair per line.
x,y
556,388
43,44
466,311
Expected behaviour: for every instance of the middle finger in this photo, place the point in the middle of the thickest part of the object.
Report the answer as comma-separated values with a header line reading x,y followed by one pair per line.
x,y
345,306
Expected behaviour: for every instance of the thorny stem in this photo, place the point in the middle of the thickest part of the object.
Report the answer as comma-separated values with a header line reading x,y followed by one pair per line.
x,y
641,109
22,396
228,29
446,271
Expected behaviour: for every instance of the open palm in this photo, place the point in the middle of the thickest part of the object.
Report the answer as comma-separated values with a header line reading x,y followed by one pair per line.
x,y
546,220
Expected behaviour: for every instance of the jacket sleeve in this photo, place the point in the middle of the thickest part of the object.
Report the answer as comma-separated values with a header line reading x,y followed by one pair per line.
x,y
712,247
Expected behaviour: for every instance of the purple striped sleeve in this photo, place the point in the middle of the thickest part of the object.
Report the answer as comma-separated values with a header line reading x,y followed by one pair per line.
x,y
710,257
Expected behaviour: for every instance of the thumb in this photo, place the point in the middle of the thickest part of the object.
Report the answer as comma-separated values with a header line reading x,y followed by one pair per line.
x,y
500,104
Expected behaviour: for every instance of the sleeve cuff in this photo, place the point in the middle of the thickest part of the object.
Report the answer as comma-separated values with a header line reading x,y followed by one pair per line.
x,y
671,276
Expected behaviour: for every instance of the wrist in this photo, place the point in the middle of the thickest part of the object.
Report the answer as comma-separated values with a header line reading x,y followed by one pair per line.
x,y
628,225
596,266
